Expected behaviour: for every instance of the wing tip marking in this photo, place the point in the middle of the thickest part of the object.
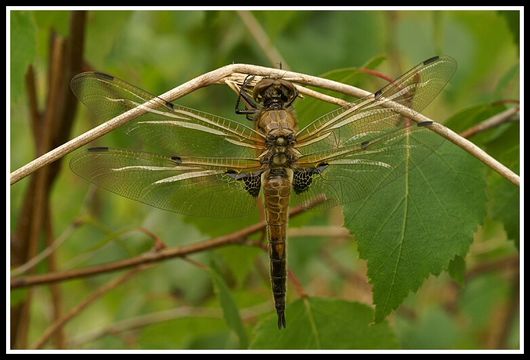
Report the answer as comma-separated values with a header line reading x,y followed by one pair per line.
x,y
98,149
431,60
424,123
103,76
177,159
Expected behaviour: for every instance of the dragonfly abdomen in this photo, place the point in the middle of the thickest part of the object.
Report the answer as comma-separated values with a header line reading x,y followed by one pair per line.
x,y
277,190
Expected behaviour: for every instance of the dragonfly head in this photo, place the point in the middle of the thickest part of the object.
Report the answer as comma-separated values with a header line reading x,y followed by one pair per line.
x,y
275,93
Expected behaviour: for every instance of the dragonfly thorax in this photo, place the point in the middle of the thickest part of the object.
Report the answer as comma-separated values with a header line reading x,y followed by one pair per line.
x,y
275,94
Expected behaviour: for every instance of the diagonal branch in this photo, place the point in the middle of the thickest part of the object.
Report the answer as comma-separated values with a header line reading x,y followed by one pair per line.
x,y
232,73
262,39
493,121
153,257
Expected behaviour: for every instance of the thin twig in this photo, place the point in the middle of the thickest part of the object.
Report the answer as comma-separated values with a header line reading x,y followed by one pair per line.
x,y
323,97
158,244
262,39
46,252
40,191
376,73
81,306
475,151
233,238
511,262
321,231
360,281
49,129
296,283
493,121
142,321
145,320
224,74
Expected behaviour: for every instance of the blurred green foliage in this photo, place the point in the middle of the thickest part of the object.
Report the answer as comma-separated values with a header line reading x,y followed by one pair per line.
x,y
158,50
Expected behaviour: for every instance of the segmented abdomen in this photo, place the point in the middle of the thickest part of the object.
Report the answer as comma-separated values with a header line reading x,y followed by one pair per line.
x,y
277,189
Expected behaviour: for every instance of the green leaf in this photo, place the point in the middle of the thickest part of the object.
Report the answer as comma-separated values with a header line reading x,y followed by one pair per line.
x,y
230,310
375,62
503,195
316,323
23,49
417,224
457,269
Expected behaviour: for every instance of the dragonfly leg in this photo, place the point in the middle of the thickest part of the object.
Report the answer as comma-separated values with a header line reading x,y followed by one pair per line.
x,y
254,107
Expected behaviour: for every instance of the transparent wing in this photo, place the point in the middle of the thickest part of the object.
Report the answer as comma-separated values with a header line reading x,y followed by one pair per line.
x,y
357,150
370,118
360,171
189,186
165,127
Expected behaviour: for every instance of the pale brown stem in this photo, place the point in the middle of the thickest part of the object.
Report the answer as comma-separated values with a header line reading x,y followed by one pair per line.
x,y
320,231
493,121
262,39
224,74
46,252
142,321
296,283
233,238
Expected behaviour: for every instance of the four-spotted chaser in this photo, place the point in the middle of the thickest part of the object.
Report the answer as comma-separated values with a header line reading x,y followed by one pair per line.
x,y
206,165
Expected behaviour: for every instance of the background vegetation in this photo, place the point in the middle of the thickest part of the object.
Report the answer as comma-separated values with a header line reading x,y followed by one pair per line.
x,y
221,298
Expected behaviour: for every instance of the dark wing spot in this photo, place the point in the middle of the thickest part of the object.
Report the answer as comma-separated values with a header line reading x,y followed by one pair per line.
x,y
321,167
431,60
425,123
98,149
365,144
378,93
177,159
169,105
103,76
232,173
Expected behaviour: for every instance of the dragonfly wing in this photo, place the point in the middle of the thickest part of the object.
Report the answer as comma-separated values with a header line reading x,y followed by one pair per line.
x,y
349,153
371,117
353,172
211,187
165,127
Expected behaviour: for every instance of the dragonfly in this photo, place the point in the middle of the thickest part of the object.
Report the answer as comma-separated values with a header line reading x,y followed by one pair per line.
x,y
200,164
